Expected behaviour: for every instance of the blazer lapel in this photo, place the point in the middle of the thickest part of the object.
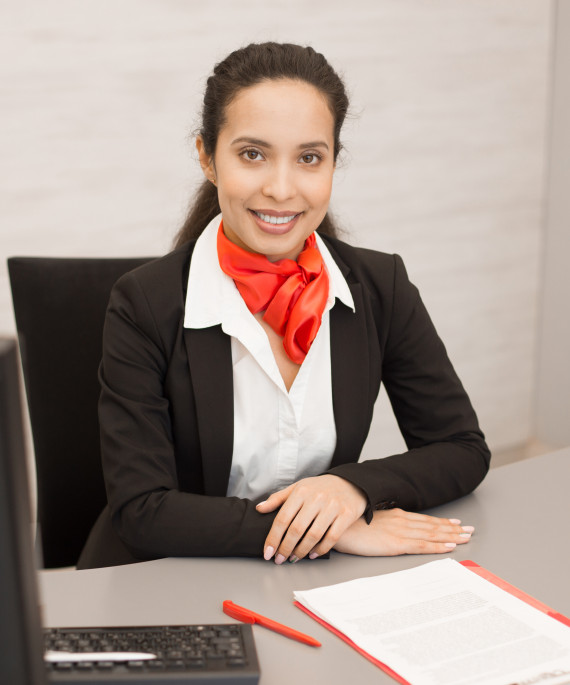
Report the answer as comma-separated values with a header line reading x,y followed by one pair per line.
x,y
350,366
210,360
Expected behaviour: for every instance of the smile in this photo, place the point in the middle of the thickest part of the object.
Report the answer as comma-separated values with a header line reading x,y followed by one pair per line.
x,y
275,219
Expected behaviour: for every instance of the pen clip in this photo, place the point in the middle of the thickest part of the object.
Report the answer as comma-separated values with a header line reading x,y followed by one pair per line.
x,y
240,613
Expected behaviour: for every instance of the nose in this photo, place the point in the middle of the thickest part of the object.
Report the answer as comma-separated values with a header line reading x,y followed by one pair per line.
x,y
279,183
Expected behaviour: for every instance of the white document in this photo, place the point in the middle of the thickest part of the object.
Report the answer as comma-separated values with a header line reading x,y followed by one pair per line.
x,y
441,624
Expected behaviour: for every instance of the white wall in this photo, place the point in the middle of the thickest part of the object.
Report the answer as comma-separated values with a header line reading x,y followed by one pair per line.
x,y
553,372
444,164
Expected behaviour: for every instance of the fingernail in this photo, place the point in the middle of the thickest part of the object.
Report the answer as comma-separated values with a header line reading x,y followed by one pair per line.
x,y
451,545
260,503
468,529
279,559
293,559
455,521
464,535
313,555
268,552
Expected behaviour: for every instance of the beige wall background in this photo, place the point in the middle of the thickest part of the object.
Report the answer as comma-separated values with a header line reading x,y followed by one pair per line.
x,y
445,163
553,370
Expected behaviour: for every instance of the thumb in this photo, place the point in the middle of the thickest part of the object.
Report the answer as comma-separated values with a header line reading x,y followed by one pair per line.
x,y
274,501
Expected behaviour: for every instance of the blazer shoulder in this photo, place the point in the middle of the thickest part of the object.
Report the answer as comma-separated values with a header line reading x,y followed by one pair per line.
x,y
160,280
152,297
377,271
171,267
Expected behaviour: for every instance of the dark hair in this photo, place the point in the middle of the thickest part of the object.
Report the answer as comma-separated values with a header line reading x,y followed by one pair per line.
x,y
244,68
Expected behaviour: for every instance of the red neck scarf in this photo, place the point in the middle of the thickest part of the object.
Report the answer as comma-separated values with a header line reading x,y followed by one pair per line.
x,y
293,294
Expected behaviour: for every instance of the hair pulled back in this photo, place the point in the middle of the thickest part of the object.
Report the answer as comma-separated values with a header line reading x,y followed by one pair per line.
x,y
244,68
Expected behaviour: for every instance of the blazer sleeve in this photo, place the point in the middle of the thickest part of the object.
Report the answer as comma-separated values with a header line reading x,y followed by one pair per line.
x,y
151,514
447,455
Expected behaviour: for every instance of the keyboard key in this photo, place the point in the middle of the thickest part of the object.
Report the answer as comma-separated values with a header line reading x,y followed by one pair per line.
x,y
84,666
196,663
174,654
105,665
155,665
213,656
63,666
135,665
176,665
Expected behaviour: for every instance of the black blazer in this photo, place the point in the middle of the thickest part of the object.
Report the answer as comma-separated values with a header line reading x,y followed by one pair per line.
x,y
166,412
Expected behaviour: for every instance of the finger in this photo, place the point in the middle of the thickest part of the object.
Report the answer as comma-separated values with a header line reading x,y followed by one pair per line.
x,y
306,529
421,546
436,534
401,526
410,515
328,541
297,516
443,525
274,501
429,524
442,535
455,538
435,548
324,532
315,534
465,535
281,525
425,518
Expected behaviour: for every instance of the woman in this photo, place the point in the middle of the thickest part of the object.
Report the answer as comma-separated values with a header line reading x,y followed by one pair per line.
x,y
240,371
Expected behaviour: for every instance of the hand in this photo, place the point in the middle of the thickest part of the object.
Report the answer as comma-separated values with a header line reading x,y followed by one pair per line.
x,y
394,531
317,509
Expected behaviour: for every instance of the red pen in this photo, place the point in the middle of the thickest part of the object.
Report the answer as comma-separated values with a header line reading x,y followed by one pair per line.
x,y
246,616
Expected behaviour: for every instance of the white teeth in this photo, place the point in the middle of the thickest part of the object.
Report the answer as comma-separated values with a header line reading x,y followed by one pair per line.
x,y
275,219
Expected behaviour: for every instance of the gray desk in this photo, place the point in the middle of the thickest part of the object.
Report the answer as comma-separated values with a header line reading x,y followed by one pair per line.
x,y
521,515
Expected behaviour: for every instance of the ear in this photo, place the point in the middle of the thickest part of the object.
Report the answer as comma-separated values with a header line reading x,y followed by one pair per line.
x,y
206,161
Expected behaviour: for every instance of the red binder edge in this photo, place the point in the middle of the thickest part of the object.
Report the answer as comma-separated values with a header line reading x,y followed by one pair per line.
x,y
348,641
499,582
471,566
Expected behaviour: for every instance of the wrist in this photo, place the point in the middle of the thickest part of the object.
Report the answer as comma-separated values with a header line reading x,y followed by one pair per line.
x,y
347,541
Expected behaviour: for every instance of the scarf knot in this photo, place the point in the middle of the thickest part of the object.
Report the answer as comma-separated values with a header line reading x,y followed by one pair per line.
x,y
293,294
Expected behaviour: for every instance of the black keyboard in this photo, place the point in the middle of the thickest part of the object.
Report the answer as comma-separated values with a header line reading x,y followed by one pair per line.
x,y
196,654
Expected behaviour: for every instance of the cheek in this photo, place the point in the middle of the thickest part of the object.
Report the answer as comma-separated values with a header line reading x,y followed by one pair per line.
x,y
235,188
320,190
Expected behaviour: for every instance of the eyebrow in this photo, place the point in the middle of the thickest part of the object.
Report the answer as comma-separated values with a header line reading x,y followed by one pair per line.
x,y
263,143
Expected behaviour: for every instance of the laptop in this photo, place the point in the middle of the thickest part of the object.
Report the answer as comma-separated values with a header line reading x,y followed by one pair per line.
x,y
215,654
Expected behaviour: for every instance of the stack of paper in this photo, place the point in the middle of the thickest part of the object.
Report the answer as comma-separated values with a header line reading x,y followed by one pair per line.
x,y
442,624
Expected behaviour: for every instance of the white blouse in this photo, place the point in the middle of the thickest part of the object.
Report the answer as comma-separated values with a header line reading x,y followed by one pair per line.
x,y
279,436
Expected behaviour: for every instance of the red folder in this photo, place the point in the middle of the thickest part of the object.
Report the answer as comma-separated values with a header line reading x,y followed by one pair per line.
x,y
472,566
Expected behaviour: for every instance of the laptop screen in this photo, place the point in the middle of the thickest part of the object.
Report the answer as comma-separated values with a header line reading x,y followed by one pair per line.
x,y
21,661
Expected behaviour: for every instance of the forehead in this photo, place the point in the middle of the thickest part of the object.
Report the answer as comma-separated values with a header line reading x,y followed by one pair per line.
x,y
283,110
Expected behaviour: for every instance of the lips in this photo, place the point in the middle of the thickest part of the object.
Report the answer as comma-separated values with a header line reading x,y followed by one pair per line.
x,y
269,219
275,223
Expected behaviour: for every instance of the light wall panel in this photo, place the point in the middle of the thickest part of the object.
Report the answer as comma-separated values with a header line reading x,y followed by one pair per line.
x,y
444,159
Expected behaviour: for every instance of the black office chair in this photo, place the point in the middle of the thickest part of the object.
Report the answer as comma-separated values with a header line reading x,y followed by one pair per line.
x,y
60,309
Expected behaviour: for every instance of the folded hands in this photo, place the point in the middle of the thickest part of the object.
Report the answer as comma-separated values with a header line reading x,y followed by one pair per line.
x,y
325,512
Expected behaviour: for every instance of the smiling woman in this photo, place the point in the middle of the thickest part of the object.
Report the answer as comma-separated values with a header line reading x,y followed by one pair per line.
x,y
240,371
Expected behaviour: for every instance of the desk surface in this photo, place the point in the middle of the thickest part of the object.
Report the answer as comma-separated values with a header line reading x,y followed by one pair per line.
x,y
521,515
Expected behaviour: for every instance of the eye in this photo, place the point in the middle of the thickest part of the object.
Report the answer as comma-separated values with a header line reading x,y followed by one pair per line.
x,y
252,155
310,158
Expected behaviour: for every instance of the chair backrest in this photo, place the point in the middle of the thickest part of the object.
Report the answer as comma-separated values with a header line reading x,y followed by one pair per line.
x,y
60,306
